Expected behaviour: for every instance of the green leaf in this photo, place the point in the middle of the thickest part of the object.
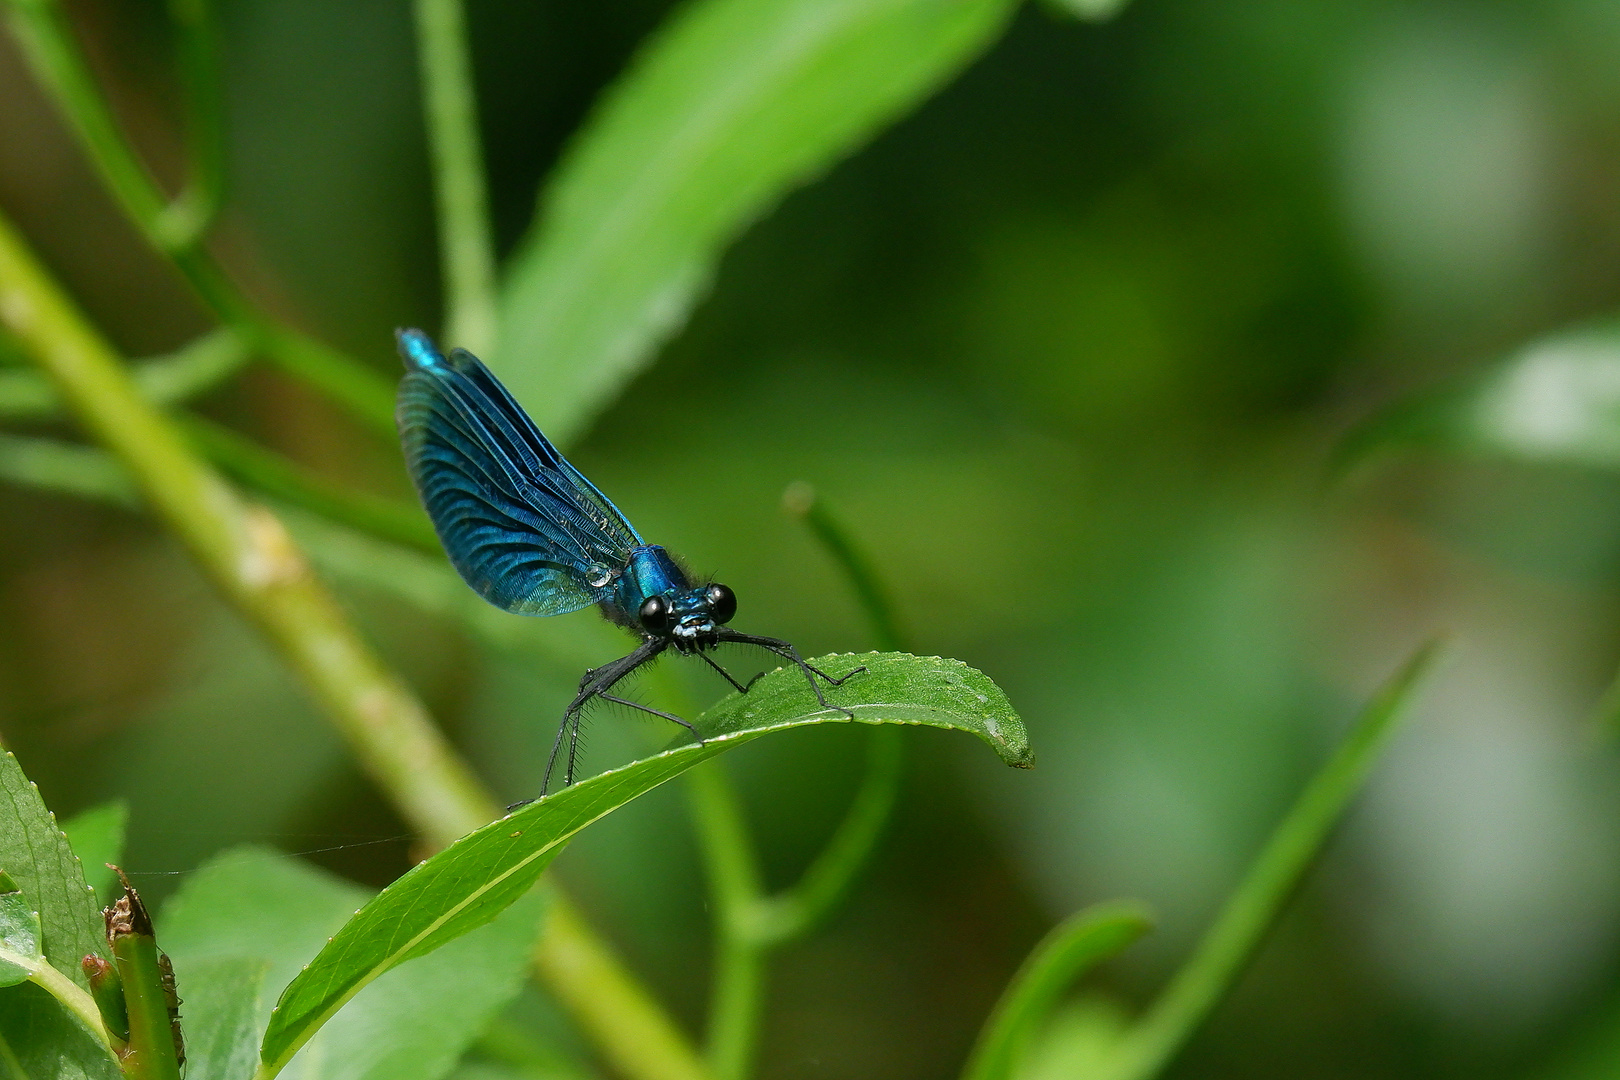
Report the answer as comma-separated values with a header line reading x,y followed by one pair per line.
x,y
221,1019
1072,948
97,838
45,1042
1075,1042
35,854
416,1021
257,906
728,107
1251,909
255,909
1555,400
482,873
19,934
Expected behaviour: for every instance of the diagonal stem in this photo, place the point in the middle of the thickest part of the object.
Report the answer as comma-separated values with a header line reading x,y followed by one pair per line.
x,y
247,553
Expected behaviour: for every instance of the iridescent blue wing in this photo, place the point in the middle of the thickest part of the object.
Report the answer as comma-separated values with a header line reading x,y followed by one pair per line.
x,y
520,524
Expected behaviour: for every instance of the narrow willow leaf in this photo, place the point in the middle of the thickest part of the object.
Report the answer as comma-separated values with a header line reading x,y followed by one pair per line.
x,y
97,838
481,874
730,106
19,934
1556,399
1252,908
35,854
1072,948
1076,1041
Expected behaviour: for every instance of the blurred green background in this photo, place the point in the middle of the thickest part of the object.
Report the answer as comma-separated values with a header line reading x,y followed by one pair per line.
x,y
1071,349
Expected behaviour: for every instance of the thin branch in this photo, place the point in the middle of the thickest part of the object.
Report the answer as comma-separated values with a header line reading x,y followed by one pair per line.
x,y
466,251
735,998
187,218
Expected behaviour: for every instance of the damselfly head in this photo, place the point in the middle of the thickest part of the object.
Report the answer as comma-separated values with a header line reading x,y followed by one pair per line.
x,y
690,618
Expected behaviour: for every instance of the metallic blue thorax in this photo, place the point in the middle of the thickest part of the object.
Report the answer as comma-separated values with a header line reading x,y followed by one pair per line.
x,y
650,572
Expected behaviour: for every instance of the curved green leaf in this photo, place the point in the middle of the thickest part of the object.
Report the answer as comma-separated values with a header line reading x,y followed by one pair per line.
x,y
730,106
1073,947
475,878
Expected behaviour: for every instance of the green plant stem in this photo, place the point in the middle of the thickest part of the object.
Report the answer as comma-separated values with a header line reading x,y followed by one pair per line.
x,y
247,553
1153,1041
267,471
151,1052
59,64
633,1033
47,40
798,909
747,923
803,502
734,884
1072,948
255,564
466,252
187,219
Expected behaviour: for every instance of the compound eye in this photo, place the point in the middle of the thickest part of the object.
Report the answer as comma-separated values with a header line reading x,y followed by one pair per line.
x,y
654,615
722,603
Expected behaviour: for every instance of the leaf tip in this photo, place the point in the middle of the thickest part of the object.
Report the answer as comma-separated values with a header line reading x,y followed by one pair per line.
x,y
1010,742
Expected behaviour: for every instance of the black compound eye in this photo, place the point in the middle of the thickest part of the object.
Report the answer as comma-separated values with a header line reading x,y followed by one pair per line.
x,y
722,603
654,614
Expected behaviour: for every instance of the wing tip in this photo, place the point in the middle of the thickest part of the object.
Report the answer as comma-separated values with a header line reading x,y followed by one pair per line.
x,y
417,349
